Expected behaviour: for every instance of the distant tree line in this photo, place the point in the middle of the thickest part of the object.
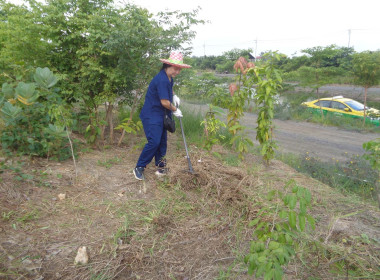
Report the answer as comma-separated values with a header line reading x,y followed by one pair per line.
x,y
334,63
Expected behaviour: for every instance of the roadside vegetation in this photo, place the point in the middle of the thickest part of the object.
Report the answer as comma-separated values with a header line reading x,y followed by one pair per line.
x,y
73,79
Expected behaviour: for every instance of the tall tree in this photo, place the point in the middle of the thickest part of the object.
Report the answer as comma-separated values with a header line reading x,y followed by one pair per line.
x,y
21,44
103,52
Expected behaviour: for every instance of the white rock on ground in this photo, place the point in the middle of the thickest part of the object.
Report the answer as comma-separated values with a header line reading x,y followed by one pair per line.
x,y
82,256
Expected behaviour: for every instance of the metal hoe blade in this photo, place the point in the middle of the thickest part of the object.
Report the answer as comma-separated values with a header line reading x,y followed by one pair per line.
x,y
187,152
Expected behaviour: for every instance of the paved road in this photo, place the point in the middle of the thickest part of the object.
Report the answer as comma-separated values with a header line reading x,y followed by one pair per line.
x,y
325,143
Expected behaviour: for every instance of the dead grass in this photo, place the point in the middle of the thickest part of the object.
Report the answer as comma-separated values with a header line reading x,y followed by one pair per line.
x,y
179,227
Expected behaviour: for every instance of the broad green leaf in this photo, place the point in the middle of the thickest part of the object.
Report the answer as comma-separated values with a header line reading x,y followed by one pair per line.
x,y
7,91
58,131
45,78
26,93
10,112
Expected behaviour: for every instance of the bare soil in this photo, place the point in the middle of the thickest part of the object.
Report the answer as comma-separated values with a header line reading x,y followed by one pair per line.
x,y
182,226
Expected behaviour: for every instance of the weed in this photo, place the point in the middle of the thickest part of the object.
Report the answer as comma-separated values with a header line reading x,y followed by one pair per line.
x,y
276,229
124,234
232,160
28,217
6,216
109,162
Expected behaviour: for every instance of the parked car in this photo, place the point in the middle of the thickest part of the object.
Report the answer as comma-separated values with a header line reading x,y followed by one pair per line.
x,y
346,107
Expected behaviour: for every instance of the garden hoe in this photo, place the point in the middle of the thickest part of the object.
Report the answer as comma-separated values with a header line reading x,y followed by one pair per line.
x,y
187,152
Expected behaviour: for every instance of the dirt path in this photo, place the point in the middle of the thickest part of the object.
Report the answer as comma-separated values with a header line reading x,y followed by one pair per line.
x,y
325,143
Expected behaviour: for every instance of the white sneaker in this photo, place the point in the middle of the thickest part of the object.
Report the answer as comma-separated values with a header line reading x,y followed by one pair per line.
x,y
162,171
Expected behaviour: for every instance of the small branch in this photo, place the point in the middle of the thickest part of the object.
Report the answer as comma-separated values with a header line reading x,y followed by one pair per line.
x,y
72,152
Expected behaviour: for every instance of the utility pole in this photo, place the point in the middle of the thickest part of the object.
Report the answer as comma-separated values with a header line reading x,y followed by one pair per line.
x,y
256,48
204,49
349,37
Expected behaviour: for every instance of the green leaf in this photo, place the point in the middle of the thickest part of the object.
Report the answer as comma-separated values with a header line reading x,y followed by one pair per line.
x,y
45,78
301,222
57,131
292,201
282,214
254,222
307,196
311,221
293,219
26,93
7,91
278,273
302,206
10,112
273,245
269,275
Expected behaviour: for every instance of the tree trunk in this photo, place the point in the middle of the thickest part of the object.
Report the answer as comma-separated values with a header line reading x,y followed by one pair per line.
x,y
103,127
110,121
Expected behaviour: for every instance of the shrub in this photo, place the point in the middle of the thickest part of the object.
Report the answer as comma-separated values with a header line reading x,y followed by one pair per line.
x,y
26,112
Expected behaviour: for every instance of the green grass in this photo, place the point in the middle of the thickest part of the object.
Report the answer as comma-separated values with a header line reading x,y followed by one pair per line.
x,y
354,176
192,127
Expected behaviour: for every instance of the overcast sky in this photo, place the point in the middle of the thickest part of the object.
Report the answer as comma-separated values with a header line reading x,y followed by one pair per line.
x,y
287,26
284,25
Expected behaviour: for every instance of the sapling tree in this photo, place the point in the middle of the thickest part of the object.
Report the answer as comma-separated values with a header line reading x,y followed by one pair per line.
x,y
212,127
240,93
366,72
267,79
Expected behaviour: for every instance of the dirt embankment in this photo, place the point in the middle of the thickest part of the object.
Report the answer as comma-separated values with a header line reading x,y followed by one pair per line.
x,y
178,227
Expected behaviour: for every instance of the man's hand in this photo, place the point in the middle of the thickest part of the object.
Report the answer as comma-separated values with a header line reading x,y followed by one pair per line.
x,y
178,113
176,101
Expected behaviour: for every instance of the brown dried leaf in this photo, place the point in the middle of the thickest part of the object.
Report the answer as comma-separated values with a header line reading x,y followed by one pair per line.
x,y
233,88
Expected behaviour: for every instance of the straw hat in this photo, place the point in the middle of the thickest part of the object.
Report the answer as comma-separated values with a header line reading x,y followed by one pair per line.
x,y
175,59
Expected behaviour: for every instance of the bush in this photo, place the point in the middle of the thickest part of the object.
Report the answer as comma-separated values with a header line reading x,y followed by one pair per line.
x,y
26,112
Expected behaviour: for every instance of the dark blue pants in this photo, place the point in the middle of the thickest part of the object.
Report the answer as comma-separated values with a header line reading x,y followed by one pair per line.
x,y
157,143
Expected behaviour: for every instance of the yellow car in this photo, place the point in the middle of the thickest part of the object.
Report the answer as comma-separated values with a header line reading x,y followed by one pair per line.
x,y
345,107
